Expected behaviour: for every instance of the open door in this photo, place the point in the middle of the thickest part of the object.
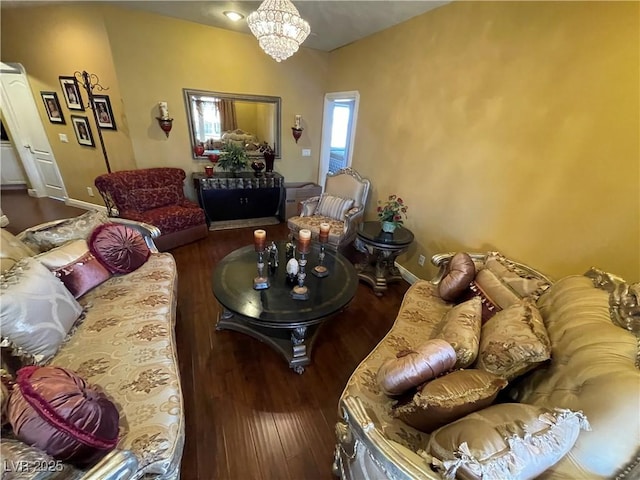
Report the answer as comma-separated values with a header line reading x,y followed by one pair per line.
x,y
338,132
20,112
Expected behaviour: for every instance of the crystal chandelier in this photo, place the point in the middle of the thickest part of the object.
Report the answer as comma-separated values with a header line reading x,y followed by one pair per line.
x,y
279,28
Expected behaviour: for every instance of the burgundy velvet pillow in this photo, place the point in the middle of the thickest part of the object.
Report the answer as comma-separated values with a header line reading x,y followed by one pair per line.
x,y
119,248
83,275
459,276
53,409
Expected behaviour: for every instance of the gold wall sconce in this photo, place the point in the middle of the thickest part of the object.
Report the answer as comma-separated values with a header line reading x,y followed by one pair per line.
x,y
165,122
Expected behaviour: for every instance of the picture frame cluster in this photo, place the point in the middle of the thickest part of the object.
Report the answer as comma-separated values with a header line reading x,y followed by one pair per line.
x,y
71,93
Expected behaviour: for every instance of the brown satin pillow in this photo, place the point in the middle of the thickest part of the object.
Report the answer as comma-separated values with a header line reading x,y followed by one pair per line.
x,y
459,275
448,398
414,367
460,327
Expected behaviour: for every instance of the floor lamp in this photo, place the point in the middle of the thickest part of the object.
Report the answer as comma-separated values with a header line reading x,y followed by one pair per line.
x,y
89,82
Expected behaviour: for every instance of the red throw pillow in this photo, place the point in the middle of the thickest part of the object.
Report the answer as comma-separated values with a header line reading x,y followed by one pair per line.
x,y
83,274
119,248
53,409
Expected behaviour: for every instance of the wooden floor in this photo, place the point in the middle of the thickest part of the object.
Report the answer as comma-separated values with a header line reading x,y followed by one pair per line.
x,y
248,416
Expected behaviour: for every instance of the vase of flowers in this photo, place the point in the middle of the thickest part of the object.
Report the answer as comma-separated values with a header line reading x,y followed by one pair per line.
x,y
390,213
233,157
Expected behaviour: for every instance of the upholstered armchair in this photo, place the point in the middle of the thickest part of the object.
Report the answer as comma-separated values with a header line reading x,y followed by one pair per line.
x,y
341,205
155,196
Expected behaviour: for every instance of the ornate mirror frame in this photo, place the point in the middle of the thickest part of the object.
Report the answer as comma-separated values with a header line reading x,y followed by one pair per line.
x,y
275,126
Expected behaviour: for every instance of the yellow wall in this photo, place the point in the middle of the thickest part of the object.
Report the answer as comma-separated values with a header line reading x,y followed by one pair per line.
x,y
506,125
146,58
58,41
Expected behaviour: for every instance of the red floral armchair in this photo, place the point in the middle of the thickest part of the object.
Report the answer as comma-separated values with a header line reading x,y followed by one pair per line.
x,y
155,196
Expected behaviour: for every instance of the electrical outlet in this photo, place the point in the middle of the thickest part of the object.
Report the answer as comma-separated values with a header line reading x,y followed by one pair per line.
x,y
306,152
421,260
63,138
90,191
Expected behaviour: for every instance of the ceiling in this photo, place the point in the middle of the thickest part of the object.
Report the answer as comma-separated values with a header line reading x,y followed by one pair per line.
x,y
333,23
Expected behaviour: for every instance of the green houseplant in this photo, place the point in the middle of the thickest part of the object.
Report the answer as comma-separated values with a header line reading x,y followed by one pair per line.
x,y
390,213
233,157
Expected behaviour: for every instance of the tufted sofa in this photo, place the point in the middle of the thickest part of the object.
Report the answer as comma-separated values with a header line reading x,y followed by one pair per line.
x,y
124,345
154,196
594,368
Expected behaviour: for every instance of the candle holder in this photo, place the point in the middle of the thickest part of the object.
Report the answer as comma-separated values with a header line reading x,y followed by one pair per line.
x,y
320,270
301,291
261,282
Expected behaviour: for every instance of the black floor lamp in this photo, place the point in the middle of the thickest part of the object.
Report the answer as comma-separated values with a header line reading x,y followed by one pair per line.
x,y
90,81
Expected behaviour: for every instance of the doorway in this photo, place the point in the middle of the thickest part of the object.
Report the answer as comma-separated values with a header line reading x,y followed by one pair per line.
x,y
338,132
21,118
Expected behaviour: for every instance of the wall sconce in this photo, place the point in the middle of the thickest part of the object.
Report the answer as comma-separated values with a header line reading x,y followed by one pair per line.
x,y
164,120
297,129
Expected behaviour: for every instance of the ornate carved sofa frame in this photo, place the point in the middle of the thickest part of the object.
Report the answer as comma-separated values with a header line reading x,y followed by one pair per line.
x,y
594,368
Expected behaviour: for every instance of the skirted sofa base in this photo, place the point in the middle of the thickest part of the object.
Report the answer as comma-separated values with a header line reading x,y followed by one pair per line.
x,y
594,369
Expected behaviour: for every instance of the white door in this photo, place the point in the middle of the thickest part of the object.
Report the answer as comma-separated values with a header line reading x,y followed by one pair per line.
x,y
21,115
338,132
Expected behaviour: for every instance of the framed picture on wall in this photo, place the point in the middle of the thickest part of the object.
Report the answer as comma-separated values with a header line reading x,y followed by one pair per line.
x,y
83,130
52,106
71,92
104,113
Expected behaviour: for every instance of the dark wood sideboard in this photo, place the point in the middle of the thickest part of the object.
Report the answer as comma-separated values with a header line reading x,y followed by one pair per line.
x,y
230,197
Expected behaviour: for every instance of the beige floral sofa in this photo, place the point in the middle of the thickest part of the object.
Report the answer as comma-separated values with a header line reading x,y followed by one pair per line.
x,y
592,320
126,346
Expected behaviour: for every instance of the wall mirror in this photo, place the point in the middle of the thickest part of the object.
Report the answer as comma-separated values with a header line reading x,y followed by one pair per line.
x,y
215,118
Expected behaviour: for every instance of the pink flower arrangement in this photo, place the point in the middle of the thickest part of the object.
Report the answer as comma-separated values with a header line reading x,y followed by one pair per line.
x,y
392,210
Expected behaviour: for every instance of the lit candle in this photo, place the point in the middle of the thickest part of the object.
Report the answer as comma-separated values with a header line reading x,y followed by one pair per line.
x,y
259,240
304,240
164,109
297,121
324,232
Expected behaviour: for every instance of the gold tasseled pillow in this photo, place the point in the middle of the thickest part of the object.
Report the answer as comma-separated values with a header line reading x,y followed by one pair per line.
x,y
512,441
513,341
448,398
460,327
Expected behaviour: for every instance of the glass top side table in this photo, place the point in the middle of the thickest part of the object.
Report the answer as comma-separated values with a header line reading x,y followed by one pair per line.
x,y
382,249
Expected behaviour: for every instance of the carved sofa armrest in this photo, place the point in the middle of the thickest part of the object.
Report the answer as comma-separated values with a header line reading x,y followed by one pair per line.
x,y
309,206
117,465
352,218
359,438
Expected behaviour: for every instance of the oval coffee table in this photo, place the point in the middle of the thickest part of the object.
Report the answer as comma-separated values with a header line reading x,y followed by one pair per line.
x,y
272,315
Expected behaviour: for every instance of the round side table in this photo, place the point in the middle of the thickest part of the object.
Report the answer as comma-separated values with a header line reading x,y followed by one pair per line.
x,y
382,249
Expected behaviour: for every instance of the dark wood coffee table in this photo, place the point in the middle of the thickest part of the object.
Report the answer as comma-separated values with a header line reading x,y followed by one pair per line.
x,y
272,315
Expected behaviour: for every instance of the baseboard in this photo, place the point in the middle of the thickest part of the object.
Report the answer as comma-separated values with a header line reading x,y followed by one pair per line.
x,y
406,274
72,202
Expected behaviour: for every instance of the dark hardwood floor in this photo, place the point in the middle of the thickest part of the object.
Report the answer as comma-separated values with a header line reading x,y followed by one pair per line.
x,y
248,416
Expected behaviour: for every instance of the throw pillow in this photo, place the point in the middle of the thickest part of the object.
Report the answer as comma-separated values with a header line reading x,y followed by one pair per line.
x,y
119,248
55,410
499,293
148,198
505,441
460,272
520,281
514,341
36,311
460,327
333,207
411,368
11,250
450,397
45,238
75,266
